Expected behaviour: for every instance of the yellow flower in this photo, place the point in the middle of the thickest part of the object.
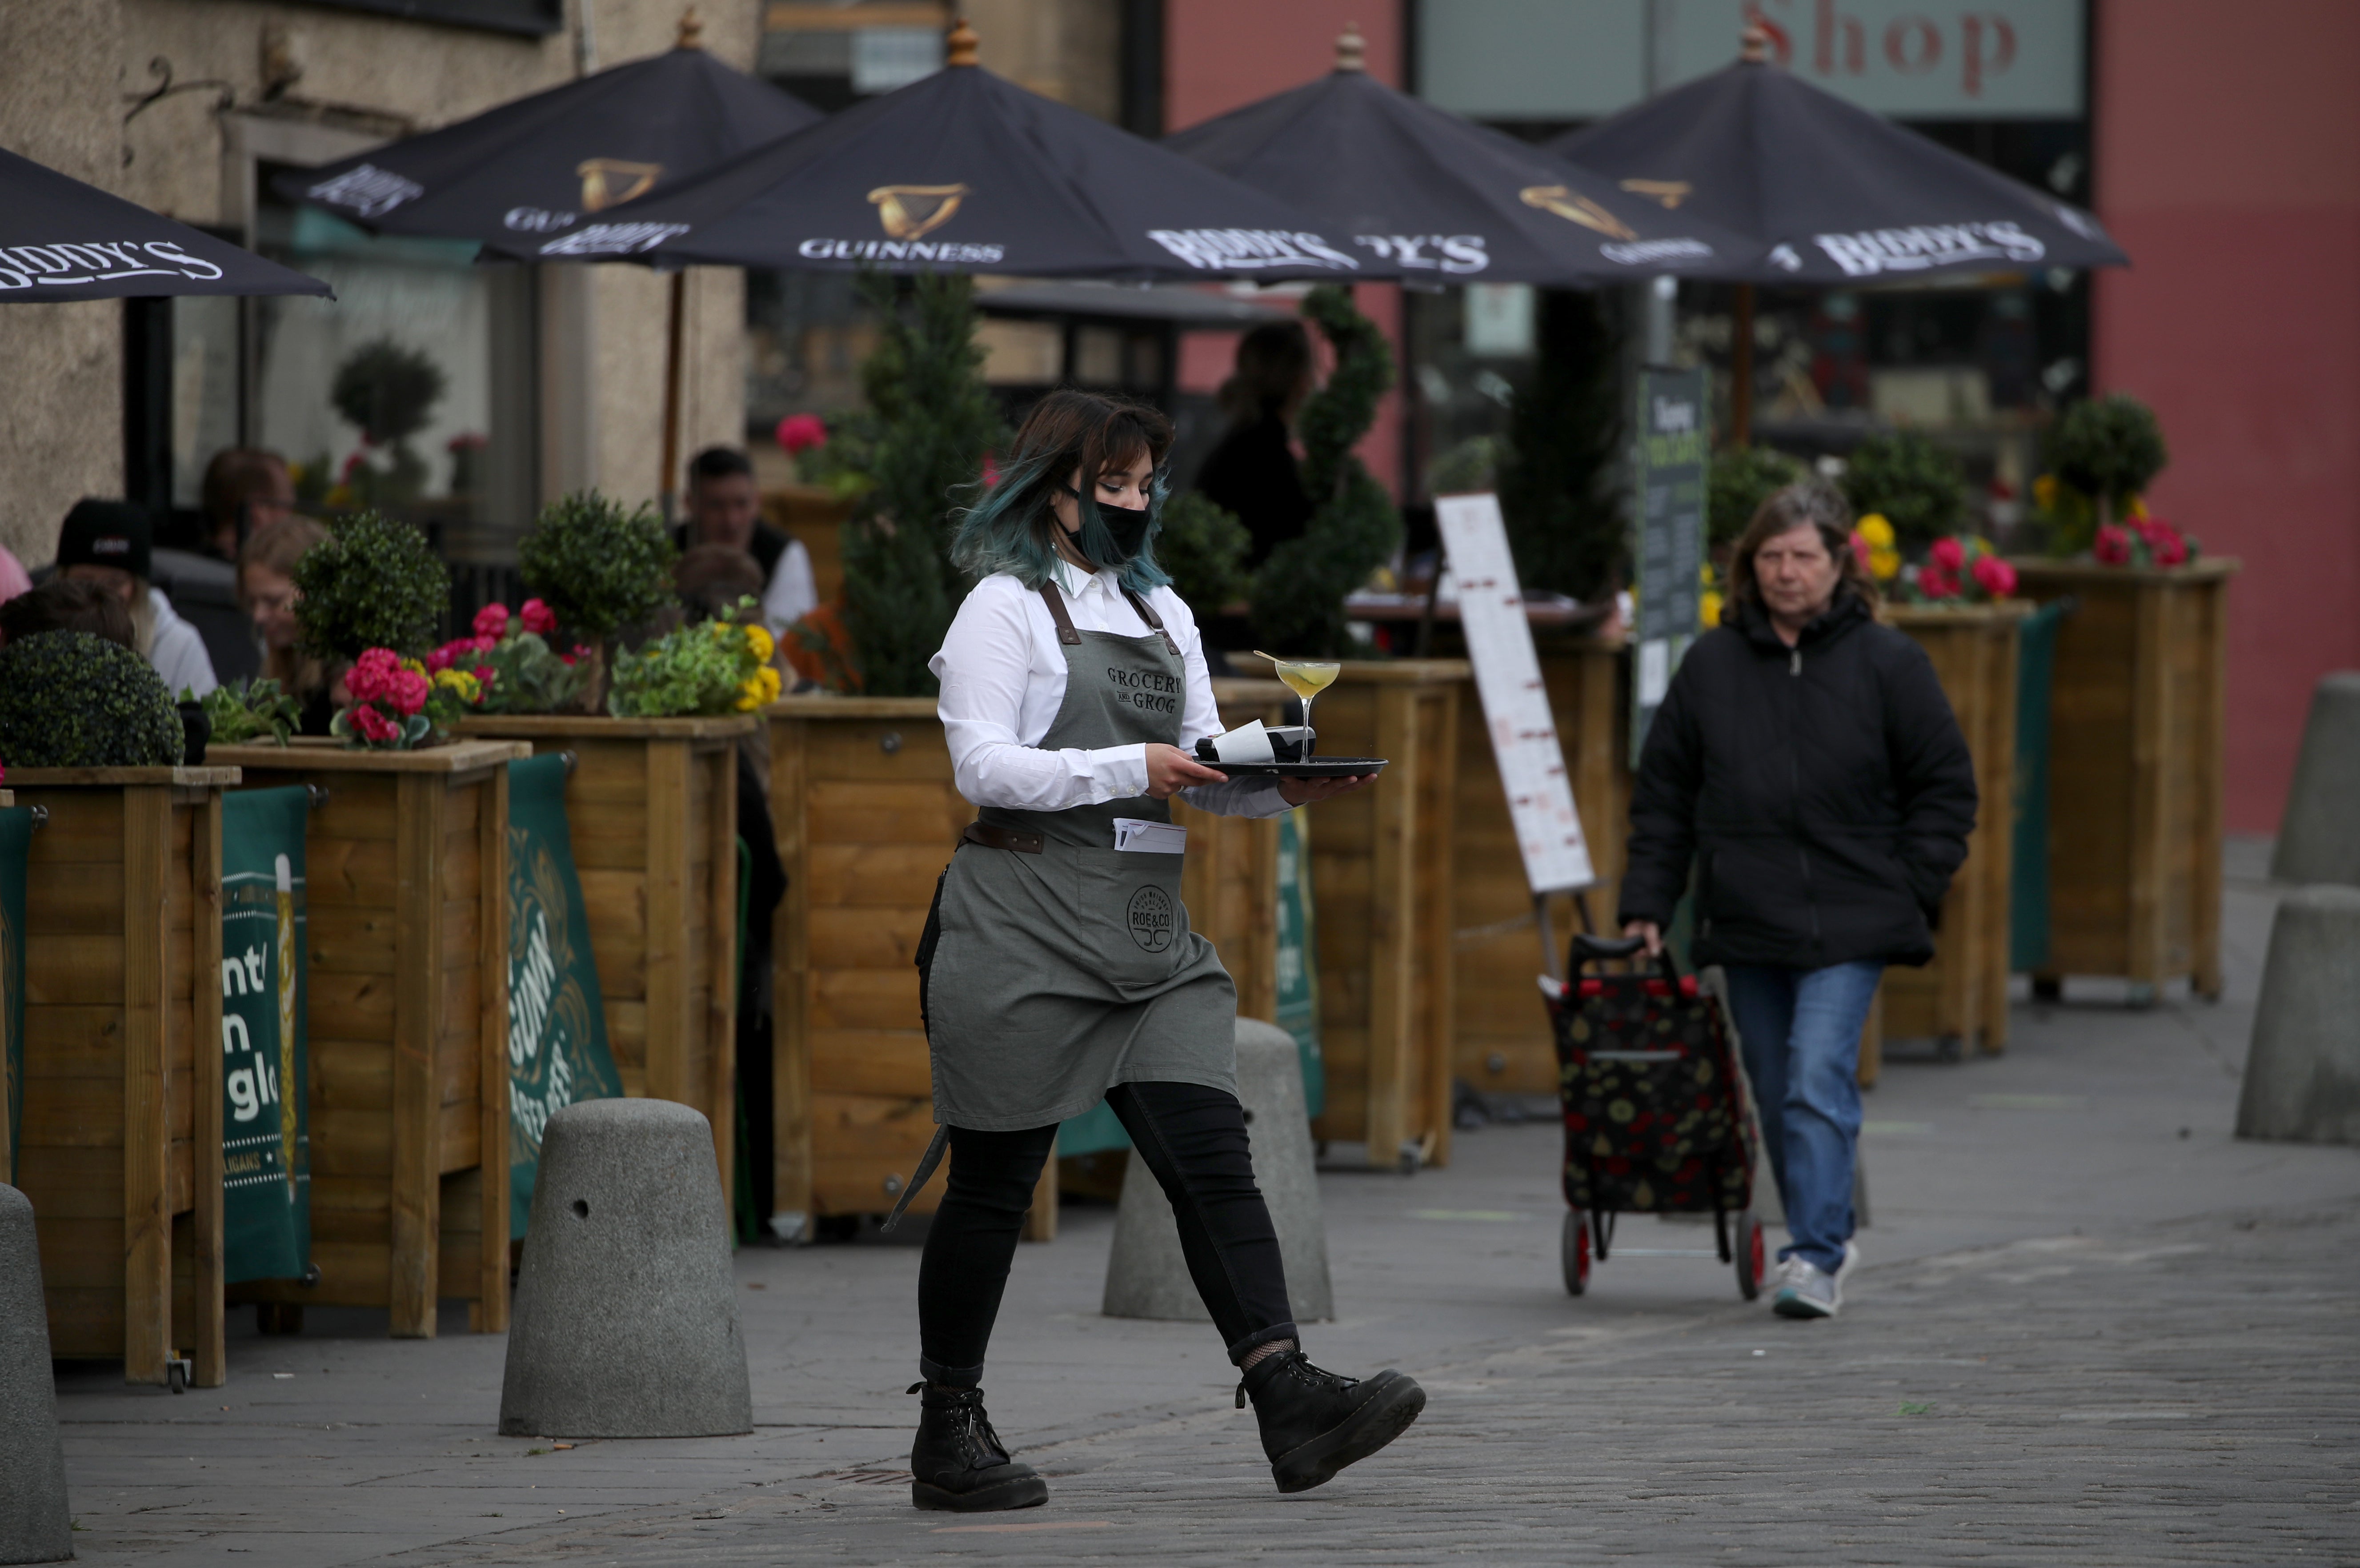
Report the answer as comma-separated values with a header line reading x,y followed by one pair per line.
x,y
759,644
1885,564
2044,492
415,666
1875,530
1709,611
2138,510
458,681
769,677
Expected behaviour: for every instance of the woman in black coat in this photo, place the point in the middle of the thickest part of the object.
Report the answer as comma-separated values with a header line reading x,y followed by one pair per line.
x,y
1805,760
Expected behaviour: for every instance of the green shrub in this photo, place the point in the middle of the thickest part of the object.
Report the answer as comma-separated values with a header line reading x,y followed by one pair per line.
x,y
600,568
249,709
920,444
1298,594
1204,546
71,700
2109,448
1739,480
374,582
1558,490
1916,486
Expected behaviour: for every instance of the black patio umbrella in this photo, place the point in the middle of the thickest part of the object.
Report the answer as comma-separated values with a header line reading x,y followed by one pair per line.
x,y
542,165
1839,196
60,240
963,171
539,165
1446,199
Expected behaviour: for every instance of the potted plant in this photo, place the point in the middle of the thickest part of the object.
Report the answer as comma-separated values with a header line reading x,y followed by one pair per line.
x,y
122,958
407,1026
652,800
2136,779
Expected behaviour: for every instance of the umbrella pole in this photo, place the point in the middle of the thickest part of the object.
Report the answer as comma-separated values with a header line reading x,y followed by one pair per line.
x,y
1741,371
672,397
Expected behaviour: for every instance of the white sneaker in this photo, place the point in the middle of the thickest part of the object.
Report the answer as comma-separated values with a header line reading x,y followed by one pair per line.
x,y
1808,1291
1851,1261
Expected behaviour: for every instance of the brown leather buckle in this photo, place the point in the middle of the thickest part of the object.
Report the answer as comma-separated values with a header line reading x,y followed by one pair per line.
x,y
994,838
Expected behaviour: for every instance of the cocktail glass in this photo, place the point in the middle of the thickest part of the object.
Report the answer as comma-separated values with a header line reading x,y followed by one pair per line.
x,y
1307,678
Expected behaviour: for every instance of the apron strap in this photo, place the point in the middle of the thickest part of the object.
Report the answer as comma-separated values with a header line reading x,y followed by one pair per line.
x,y
1154,621
925,1172
1056,603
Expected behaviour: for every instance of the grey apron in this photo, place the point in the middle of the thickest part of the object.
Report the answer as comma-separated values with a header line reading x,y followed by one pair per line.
x,y
1053,971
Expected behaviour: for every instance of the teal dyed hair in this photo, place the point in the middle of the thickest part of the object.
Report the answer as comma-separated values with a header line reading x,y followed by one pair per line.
x,y
1069,431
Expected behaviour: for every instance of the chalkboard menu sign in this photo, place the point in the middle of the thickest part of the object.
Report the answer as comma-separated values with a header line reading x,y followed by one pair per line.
x,y
1667,469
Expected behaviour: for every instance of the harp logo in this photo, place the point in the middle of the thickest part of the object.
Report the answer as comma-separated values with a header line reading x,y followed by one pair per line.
x,y
1670,192
1576,209
913,212
608,181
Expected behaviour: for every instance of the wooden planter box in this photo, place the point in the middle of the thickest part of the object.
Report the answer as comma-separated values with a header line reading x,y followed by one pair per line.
x,y
1505,1044
867,817
122,1153
652,807
407,897
1382,874
2135,783
1960,999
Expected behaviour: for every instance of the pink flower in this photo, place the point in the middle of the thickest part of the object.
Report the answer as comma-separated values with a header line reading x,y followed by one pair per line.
x,y
1936,584
800,432
537,618
367,680
1994,576
484,644
492,620
406,691
2113,547
1950,555
371,725
2163,542
483,673
1860,550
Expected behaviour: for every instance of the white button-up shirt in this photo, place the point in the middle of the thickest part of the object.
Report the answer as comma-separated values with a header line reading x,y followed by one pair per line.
x,y
1003,678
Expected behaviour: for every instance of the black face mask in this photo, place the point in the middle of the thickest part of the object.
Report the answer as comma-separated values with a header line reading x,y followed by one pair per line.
x,y
1126,525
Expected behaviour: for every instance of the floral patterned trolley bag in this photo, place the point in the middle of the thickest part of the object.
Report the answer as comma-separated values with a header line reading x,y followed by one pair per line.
x,y
1656,1112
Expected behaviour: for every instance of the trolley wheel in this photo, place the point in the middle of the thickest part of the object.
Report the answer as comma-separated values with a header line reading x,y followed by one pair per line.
x,y
1573,1253
176,1375
1751,1259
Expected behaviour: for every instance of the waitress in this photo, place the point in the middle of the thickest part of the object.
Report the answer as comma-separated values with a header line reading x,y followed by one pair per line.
x,y
1057,969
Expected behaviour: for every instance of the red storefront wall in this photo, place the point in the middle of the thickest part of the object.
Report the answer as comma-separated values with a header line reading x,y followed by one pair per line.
x,y
2228,163
1219,54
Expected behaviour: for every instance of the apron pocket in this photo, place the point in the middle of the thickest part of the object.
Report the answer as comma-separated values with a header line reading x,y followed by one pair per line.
x,y
1129,914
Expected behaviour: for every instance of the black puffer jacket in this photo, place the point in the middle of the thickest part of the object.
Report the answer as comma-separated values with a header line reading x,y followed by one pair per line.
x,y
1824,791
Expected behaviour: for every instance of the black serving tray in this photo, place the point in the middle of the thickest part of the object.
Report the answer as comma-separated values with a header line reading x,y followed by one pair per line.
x,y
1316,768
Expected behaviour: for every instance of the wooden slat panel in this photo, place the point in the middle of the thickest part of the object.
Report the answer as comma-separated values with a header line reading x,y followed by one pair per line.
x,y
75,971
868,939
85,902
889,1062
874,875
146,1239
887,813
348,940
415,1130
74,1042
338,871
459,1136
865,998
347,1007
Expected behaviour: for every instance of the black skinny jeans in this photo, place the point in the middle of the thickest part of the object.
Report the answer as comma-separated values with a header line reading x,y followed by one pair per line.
x,y
1192,1137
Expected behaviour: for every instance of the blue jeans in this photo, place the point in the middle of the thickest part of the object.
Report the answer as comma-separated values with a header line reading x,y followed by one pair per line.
x,y
1800,1032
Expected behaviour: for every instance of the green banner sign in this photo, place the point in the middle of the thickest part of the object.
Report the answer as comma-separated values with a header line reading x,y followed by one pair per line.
x,y
265,1136
557,1025
16,843
1298,957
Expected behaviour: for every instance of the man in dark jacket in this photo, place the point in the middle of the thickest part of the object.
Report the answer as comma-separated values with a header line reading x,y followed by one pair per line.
x,y
1808,765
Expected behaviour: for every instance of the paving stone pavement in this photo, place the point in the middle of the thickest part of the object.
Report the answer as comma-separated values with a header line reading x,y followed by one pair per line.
x,y
2094,1328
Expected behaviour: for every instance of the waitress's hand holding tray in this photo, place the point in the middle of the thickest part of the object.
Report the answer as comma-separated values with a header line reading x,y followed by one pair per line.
x,y
1283,753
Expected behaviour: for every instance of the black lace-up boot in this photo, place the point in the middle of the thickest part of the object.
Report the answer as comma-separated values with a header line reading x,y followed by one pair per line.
x,y
958,1463
1314,1423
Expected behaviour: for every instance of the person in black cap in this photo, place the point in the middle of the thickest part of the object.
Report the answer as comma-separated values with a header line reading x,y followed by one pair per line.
x,y
725,507
109,543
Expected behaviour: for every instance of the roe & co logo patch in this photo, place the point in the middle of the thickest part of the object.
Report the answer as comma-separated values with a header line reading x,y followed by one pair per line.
x,y
1150,919
64,266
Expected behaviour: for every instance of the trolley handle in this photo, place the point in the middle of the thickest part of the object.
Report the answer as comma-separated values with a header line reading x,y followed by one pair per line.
x,y
1589,949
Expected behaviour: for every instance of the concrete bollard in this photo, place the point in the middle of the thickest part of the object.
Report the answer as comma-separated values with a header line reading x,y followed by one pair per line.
x,y
625,1321
2318,840
1146,1276
2302,1072
35,1526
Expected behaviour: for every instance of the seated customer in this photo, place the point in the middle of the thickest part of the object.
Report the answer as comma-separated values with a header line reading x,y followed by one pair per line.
x,y
61,604
107,542
266,589
246,490
724,508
